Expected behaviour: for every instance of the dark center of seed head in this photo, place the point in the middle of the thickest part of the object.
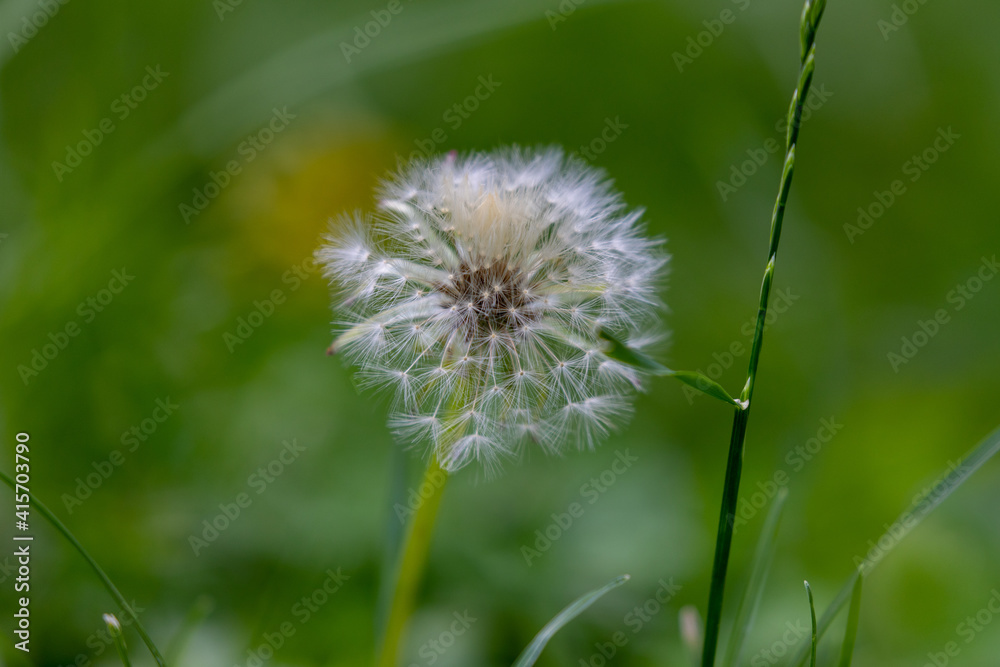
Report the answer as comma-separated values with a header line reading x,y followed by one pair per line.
x,y
492,297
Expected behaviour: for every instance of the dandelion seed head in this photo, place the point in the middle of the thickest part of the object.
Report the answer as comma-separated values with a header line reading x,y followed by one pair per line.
x,y
476,296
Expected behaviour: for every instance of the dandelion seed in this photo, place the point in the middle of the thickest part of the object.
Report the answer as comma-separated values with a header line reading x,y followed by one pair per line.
x,y
477,296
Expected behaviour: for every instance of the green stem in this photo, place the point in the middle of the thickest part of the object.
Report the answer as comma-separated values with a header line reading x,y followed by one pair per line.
x,y
811,14
115,630
112,589
724,538
411,564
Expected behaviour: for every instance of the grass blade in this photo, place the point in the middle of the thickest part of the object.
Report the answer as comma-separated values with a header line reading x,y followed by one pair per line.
x,y
910,519
115,630
619,351
734,462
851,633
812,616
704,385
237,105
196,614
746,613
108,584
537,645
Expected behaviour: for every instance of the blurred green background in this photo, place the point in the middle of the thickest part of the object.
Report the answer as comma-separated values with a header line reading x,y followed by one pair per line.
x,y
561,73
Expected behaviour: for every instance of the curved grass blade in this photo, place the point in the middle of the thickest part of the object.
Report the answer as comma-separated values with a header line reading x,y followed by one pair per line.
x,y
310,69
746,613
910,519
851,633
537,645
812,616
705,385
316,66
115,630
111,588
196,614
619,351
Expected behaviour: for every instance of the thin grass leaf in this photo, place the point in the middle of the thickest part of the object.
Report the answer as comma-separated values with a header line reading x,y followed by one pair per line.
x,y
105,579
198,612
312,68
619,351
316,66
115,630
704,385
537,645
910,519
746,612
812,616
851,633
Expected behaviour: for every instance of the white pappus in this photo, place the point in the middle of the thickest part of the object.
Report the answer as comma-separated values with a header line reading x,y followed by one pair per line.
x,y
477,295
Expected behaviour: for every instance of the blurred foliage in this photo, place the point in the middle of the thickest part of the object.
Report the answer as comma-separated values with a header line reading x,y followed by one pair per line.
x,y
164,336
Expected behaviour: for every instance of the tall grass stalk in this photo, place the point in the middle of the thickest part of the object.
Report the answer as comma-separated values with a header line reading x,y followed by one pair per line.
x,y
811,14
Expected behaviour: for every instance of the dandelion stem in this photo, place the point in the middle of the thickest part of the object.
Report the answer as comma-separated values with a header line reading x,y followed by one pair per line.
x,y
411,563
811,14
